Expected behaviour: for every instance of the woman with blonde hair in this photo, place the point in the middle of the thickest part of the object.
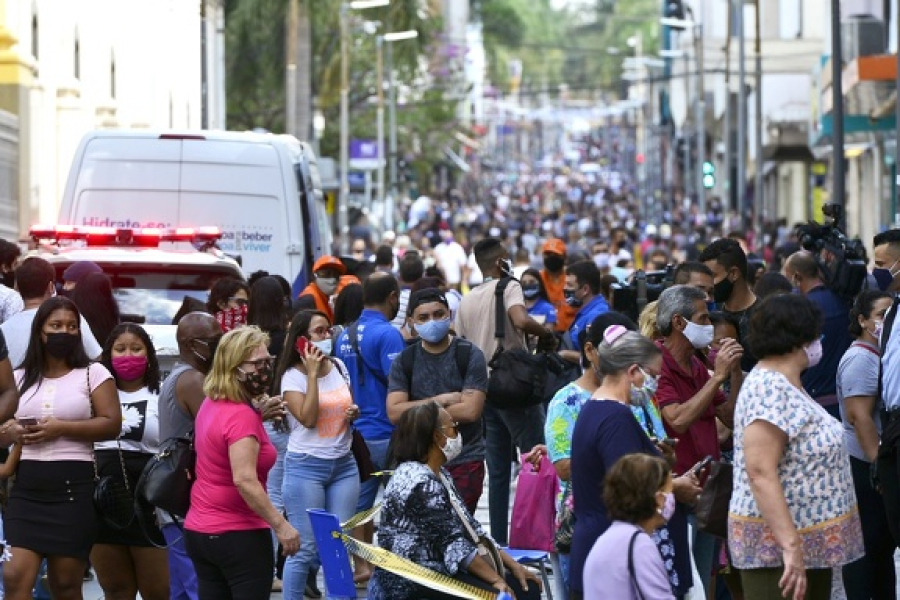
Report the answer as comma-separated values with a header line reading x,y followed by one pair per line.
x,y
647,322
227,530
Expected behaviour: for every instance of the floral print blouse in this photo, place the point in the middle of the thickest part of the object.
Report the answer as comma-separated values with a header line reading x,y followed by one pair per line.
x,y
815,477
419,523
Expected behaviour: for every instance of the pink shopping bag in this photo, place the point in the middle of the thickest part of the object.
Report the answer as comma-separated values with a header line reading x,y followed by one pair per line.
x,y
534,510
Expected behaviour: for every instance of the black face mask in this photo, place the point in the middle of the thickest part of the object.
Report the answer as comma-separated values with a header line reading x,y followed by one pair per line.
x,y
257,383
62,345
554,263
212,344
722,291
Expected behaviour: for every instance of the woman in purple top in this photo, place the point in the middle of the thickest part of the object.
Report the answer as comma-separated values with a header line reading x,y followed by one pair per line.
x,y
639,498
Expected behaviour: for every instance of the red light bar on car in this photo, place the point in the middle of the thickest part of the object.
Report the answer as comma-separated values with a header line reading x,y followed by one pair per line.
x,y
146,237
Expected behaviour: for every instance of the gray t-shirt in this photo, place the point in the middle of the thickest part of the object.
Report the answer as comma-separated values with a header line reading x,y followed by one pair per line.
x,y
435,374
173,421
857,375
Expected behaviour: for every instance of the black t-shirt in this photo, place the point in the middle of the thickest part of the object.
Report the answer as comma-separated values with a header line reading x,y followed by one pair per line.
x,y
742,317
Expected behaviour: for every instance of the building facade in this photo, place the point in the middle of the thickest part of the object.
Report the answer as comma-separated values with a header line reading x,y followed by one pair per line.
x,y
71,66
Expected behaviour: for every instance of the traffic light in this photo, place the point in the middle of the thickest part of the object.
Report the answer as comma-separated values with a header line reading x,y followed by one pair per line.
x,y
709,175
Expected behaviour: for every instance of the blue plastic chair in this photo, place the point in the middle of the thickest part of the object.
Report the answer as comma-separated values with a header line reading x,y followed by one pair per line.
x,y
536,558
336,566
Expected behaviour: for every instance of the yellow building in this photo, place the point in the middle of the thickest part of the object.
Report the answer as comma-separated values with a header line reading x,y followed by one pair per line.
x,y
70,66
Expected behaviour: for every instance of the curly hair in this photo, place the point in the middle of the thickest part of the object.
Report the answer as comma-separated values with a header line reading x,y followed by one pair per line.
x,y
152,375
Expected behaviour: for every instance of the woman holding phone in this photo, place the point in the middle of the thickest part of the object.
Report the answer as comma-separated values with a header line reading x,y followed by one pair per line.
x,y
319,471
66,404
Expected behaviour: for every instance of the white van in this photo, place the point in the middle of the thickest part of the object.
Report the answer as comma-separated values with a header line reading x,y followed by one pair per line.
x,y
261,190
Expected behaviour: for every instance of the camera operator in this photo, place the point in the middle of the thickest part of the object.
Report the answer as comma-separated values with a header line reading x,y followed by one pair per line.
x,y
819,380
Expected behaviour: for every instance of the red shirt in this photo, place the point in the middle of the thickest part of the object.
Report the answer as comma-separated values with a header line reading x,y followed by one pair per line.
x,y
676,386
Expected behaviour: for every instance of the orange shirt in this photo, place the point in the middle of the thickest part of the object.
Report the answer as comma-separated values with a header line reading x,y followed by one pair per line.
x,y
565,314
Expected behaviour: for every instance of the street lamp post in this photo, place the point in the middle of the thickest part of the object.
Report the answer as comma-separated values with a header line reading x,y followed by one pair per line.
x,y
343,223
387,202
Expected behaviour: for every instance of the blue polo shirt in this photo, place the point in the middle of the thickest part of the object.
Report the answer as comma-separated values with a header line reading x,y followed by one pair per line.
x,y
821,380
379,343
585,317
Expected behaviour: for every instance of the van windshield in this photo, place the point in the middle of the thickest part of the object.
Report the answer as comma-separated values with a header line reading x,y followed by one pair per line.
x,y
154,294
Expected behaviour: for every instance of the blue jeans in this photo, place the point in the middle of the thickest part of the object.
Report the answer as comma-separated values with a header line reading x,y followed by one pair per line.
x,y
276,475
503,428
704,551
312,482
368,491
182,576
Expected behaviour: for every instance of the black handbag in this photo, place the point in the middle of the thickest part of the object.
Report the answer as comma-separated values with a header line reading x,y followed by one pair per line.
x,y
518,377
113,498
167,478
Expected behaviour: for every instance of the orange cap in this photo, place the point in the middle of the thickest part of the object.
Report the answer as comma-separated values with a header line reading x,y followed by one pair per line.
x,y
329,262
556,246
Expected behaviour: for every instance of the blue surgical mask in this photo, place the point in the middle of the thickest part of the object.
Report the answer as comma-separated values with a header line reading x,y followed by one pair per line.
x,y
433,331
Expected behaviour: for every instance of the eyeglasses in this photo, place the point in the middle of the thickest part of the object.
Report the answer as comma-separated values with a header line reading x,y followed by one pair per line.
x,y
261,363
453,425
238,301
322,331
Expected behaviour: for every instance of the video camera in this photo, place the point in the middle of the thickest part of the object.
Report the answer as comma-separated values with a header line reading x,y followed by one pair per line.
x,y
842,261
644,288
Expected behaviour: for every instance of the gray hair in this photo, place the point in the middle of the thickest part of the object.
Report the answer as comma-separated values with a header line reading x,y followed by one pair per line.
x,y
677,300
628,349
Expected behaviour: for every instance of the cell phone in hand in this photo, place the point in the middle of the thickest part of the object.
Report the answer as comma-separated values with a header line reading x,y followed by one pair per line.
x,y
303,345
28,421
702,465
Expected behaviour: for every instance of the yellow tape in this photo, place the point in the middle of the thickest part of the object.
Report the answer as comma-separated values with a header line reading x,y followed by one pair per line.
x,y
361,518
409,570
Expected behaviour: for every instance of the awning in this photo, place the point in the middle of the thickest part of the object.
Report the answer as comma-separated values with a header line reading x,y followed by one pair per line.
x,y
788,153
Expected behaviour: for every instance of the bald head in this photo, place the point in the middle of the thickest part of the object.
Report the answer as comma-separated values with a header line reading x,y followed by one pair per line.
x,y
802,270
197,325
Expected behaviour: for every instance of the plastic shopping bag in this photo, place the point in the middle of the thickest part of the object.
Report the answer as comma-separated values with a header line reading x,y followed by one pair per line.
x,y
534,510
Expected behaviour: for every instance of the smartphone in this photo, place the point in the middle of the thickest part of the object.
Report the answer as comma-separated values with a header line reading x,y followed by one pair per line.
x,y
670,442
303,345
28,421
702,465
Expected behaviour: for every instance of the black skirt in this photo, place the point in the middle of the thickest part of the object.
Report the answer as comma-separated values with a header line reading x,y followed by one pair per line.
x,y
51,508
134,535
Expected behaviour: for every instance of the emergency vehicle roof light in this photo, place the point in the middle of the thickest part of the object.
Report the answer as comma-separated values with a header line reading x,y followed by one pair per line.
x,y
146,237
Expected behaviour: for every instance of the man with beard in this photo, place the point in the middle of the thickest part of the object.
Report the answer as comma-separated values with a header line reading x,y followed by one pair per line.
x,y
180,398
731,292
554,276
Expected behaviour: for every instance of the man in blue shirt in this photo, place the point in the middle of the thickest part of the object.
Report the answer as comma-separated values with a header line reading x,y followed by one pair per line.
x,y
368,348
582,290
820,381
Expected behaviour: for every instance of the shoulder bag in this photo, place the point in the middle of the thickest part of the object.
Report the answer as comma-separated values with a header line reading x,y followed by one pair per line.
x,y
168,477
712,504
358,445
113,499
487,548
631,573
518,377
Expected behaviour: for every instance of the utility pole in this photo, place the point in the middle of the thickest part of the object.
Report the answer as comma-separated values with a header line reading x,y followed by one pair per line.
x,y
343,218
379,42
727,182
290,70
303,60
392,123
204,68
742,117
837,112
758,186
700,117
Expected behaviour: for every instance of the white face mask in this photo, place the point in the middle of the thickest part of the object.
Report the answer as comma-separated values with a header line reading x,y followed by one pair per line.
x,y
452,447
324,346
700,336
814,353
328,285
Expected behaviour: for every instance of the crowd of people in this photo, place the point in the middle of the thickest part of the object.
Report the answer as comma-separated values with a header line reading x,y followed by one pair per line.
x,y
373,386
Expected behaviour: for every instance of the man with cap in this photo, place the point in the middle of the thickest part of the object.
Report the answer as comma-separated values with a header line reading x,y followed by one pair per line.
x,y
554,276
326,273
77,271
448,370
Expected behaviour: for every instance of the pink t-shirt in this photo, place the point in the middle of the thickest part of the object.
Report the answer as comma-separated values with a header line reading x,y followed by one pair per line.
x,y
65,398
216,503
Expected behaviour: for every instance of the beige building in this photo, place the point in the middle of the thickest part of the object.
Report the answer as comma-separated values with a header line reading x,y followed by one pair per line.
x,y
70,66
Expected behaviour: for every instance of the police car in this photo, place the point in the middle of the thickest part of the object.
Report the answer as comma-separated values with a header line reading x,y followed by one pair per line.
x,y
153,275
